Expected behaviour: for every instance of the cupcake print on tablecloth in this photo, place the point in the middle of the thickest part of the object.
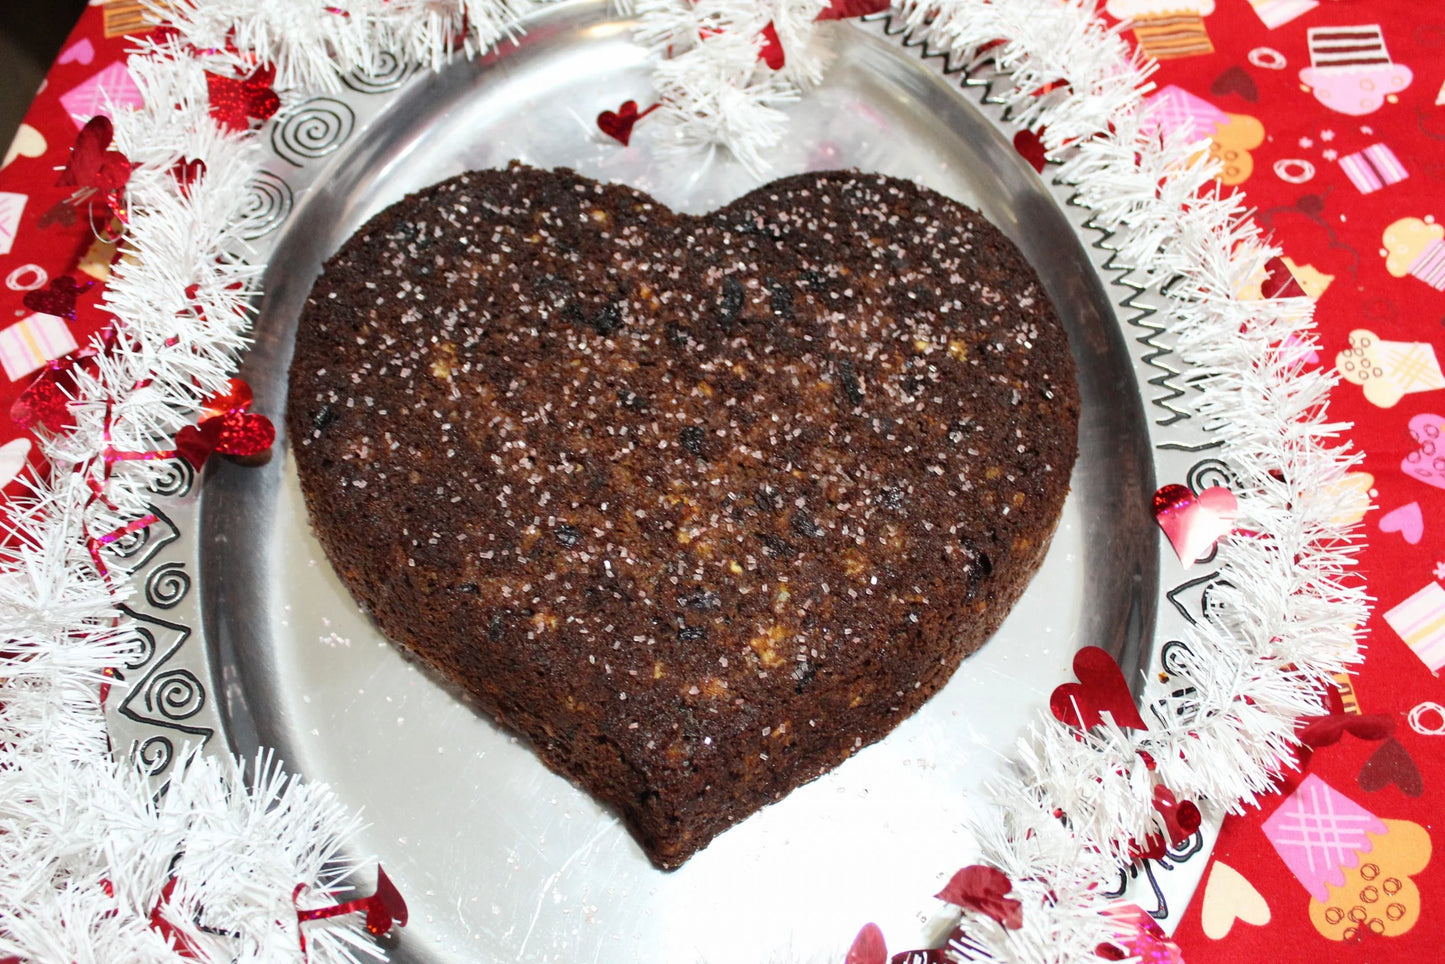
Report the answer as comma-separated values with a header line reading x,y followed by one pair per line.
x,y
1350,70
1358,869
1389,370
1166,29
1231,136
1416,248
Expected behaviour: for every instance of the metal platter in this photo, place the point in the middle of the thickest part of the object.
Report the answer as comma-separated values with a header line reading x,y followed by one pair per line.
x,y
248,639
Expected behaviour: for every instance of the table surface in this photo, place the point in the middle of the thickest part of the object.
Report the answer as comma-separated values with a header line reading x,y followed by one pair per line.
x,y
1329,116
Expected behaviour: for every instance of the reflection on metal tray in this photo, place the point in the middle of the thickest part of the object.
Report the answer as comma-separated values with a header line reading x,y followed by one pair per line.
x,y
251,640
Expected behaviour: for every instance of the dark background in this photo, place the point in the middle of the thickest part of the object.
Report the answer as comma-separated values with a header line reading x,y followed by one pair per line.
x,y
31,32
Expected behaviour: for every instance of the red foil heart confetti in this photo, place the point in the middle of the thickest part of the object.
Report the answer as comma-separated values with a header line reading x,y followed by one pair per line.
x,y
235,102
58,298
1181,821
92,165
983,889
1318,731
1195,523
869,948
772,50
1101,689
187,172
227,426
384,909
43,402
618,124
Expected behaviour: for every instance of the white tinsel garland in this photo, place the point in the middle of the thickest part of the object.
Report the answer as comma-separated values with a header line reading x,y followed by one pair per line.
x,y
1286,610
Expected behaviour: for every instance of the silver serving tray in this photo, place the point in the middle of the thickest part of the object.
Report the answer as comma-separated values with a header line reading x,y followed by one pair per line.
x,y
246,638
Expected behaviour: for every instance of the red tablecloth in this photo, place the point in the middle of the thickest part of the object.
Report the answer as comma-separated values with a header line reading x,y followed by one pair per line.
x,y
1331,117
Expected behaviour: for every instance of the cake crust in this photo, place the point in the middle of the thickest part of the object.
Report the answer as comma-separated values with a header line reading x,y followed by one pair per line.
x,y
698,505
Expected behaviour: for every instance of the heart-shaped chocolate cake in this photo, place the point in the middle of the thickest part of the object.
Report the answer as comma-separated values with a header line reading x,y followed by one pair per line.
x,y
699,505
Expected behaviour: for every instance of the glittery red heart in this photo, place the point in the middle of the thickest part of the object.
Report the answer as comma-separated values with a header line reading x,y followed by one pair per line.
x,y
1194,523
618,125
983,888
234,102
1181,820
57,299
843,9
187,172
385,907
1279,281
91,165
195,443
236,396
1101,689
1321,731
45,403
243,434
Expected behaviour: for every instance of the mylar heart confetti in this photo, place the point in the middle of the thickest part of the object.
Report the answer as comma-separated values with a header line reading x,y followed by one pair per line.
x,y
227,426
236,102
384,909
91,164
618,124
1194,523
58,298
1101,689
984,889
1181,821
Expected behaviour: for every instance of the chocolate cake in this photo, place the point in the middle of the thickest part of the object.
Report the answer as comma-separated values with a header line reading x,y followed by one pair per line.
x,y
699,505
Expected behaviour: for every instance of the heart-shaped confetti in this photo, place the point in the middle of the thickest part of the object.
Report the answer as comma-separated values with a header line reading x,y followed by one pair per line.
x,y
187,171
57,299
1181,821
1279,281
868,947
1406,520
226,427
92,165
236,102
984,889
1031,148
1320,731
384,909
43,402
1194,523
771,52
1101,689
1391,764
618,124
1229,897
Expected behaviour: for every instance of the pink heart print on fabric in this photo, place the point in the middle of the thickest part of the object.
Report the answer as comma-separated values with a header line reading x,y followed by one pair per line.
x,y
1427,462
1406,520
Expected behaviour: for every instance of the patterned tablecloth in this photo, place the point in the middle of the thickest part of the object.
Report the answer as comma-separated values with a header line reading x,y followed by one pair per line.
x,y
1330,115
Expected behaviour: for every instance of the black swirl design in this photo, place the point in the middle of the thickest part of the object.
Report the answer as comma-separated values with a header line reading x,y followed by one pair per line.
x,y
167,585
268,204
1209,473
176,695
388,73
154,755
311,130
139,648
174,479
130,544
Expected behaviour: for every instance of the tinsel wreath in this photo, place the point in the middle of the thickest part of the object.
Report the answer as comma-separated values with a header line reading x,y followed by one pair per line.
x,y
225,866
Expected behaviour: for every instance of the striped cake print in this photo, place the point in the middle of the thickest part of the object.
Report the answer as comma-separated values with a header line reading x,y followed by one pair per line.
x,y
1373,168
1174,35
1430,266
1347,46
